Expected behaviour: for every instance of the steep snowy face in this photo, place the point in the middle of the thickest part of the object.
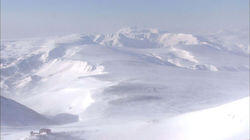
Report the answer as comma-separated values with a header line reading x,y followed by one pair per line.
x,y
131,72
15,114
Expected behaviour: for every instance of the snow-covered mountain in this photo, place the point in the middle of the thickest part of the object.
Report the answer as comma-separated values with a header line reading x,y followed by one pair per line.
x,y
132,74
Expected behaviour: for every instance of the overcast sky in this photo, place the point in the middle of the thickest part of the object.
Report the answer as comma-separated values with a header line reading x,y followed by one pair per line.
x,y
39,18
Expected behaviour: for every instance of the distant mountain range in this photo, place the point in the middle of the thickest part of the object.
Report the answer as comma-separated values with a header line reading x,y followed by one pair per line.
x,y
133,73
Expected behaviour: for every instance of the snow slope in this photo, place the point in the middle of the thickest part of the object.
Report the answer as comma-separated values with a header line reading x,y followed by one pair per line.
x,y
226,122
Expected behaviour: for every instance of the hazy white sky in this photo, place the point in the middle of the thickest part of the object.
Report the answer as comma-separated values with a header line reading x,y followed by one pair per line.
x,y
39,18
